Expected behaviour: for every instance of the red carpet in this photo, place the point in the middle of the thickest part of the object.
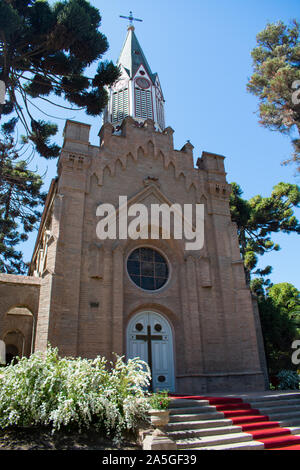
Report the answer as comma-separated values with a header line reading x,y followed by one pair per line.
x,y
252,422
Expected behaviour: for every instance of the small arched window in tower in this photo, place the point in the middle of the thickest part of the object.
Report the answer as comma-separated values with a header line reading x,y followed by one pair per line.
x,y
147,268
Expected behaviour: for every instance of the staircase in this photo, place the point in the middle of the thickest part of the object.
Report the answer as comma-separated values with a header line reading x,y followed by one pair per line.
x,y
283,409
232,423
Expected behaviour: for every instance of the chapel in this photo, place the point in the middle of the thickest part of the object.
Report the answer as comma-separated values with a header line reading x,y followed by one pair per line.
x,y
187,312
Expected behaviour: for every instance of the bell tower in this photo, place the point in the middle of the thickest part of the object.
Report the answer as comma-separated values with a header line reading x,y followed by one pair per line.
x,y
137,93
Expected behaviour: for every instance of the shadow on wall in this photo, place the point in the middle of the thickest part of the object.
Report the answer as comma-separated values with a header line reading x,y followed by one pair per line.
x,y
11,353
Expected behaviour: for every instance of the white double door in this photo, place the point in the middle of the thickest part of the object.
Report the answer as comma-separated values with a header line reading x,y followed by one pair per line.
x,y
149,337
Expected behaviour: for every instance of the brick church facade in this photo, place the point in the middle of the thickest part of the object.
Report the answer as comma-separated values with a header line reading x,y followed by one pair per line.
x,y
189,314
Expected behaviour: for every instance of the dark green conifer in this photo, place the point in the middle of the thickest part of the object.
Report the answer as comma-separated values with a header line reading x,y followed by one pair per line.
x,y
45,52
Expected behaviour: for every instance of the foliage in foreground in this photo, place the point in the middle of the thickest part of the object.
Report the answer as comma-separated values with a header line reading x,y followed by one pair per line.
x,y
46,390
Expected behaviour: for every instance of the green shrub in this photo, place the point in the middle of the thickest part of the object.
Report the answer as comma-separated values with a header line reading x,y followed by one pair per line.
x,y
288,380
52,391
159,400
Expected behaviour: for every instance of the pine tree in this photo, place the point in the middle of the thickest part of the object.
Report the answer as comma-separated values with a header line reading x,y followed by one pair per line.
x,y
285,295
20,198
260,217
276,80
45,51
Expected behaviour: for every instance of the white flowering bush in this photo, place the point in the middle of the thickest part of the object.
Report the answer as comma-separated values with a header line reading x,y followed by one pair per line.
x,y
48,390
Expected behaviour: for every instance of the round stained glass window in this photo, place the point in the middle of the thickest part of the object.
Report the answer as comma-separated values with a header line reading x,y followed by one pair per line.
x,y
147,268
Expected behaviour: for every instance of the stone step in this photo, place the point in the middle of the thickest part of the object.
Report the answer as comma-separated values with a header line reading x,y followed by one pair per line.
x,y
213,440
291,422
193,433
283,416
294,429
278,402
277,409
195,416
188,403
248,445
268,398
206,423
192,409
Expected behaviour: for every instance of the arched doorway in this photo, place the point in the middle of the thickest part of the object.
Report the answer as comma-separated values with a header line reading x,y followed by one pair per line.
x,y
11,353
18,329
14,345
149,337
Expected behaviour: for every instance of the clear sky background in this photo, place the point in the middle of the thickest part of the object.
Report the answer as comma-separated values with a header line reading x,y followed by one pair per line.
x,y
201,52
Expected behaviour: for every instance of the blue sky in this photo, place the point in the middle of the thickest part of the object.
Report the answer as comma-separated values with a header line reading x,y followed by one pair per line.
x,y
201,52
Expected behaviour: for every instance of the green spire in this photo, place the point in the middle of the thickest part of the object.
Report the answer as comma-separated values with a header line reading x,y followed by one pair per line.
x,y
132,56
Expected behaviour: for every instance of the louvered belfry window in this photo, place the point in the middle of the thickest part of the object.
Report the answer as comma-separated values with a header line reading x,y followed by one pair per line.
x,y
120,105
143,104
160,113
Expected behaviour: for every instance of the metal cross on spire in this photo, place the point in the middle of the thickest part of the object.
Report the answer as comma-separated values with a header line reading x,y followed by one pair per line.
x,y
130,18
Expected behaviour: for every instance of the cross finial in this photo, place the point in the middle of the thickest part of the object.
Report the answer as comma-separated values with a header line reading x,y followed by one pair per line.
x,y
130,18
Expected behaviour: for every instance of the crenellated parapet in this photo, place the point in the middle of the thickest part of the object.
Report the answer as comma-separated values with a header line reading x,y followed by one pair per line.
x,y
137,141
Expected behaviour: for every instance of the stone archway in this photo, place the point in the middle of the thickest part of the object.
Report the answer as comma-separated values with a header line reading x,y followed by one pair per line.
x,y
18,331
19,300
